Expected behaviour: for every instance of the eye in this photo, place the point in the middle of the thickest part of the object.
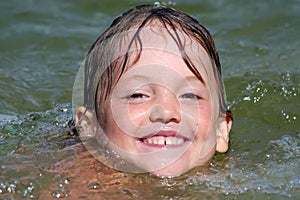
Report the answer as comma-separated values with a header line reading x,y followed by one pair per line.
x,y
137,96
190,96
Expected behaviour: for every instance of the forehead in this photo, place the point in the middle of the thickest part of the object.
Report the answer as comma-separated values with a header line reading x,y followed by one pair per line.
x,y
163,63
161,45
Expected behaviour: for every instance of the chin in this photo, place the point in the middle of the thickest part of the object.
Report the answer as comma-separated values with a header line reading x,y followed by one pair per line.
x,y
173,170
181,167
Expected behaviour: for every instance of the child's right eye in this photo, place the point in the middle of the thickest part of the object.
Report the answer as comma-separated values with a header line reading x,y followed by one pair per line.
x,y
137,96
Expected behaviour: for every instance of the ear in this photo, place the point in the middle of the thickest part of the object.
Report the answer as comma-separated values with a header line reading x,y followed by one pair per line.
x,y
85,120
223,134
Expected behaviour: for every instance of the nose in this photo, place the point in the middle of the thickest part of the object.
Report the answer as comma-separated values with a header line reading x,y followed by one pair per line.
x,y
165,108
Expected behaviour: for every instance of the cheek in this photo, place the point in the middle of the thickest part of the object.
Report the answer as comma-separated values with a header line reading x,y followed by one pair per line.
x,y
204,121
205,112
201,113
118,131
138,115
110,123
126,118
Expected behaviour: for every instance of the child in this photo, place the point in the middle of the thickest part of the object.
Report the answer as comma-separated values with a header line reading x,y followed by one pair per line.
x,y
154,99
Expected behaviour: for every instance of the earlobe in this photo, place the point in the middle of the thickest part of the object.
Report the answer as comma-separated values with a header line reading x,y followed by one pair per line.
x,y
223,135
85,121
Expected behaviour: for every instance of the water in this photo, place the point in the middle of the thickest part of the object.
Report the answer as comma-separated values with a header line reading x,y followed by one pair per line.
x,y
42,46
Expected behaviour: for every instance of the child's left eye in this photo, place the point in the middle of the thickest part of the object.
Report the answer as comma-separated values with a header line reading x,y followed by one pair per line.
x,y
190,96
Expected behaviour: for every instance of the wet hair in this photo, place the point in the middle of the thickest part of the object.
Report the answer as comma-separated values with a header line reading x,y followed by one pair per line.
x,y
101,72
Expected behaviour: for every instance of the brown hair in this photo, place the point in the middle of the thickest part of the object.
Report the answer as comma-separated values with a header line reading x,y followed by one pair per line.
x,y
101,72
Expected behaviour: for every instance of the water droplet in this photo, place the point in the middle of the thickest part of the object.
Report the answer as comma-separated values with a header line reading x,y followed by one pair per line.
x,y
286,76
246,98
94,186
66,181
59,194
258,187
11,188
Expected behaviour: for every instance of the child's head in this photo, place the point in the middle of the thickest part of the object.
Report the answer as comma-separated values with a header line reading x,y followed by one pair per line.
x,y
153,87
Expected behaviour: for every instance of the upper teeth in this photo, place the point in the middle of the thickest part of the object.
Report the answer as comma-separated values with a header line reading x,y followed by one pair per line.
x,y
160,140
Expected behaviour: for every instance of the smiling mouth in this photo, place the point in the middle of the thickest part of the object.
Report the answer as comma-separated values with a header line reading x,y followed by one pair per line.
x,y
164,138
160,140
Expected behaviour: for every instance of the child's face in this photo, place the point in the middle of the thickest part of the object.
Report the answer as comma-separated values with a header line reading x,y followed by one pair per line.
x,y
161,116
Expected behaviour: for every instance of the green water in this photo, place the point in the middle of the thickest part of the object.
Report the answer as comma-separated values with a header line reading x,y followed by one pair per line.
x,y
42,44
